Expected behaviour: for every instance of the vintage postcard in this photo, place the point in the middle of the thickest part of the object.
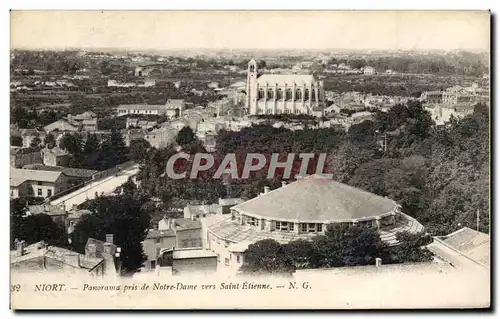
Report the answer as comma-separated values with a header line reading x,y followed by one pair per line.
x,y
250,159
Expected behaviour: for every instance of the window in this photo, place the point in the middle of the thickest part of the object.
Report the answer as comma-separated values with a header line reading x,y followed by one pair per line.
x,y
238,259
157,240
158,251
39,183
298,95
39,192
49,192
320,227
270,94
297,111
251,221
288,96
311,228
226,261
260,94
306,95
279,94
269,111
153,264
303,227
218,258
284,226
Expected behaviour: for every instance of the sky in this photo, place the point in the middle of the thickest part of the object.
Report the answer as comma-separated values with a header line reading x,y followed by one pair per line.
x,y
164,30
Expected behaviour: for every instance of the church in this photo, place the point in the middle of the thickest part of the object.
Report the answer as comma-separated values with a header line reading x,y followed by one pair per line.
x,y
283,93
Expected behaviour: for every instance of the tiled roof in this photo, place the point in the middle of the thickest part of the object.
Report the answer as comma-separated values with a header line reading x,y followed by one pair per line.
x,y
56,253
317,199
155,233
56,151
186,223
77,214
192,253
51,210
68,171
222,226
99,244
289,79
474,244
19,176
141,106
230,201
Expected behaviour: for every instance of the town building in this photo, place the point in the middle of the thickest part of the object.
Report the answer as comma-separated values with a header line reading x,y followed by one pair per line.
x,y
171,233
442,113
300,210
473,244
40,256
283,93
20,157
26,182
173,108
138,123
89,125
29,135
55,156
74,175
434,97
62,125
192,260
57,213
368,70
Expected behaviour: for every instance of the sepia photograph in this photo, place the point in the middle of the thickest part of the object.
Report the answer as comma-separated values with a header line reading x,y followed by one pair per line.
x,y
250,159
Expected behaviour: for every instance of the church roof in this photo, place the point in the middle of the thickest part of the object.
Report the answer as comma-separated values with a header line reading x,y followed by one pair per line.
x,y
317,199
289,79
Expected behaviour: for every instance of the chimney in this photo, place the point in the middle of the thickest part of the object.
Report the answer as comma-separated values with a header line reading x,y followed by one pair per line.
x,y
72,259
283,183
74,207
92,250
20,248
378,262
266,189
107,248
109,238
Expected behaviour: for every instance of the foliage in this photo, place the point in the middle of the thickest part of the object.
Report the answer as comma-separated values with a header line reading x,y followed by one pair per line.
x,y
139,150
185,136
34,228
16,140
267,257
126,217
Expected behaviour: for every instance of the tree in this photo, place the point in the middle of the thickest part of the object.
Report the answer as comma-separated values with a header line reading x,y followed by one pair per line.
x,y
50,140
16,140
267,256
185,136
91,144
347,245
139,150
126,217
35,228
35,142
411,248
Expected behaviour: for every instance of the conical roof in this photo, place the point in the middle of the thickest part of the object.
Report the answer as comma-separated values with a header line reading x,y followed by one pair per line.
x,y
317,199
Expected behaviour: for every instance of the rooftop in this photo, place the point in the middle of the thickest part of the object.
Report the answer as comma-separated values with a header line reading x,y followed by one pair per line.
x,y
68,171
317,199
473,244
19,176
37,250
51,210
299,79
192,253
155,233
186,223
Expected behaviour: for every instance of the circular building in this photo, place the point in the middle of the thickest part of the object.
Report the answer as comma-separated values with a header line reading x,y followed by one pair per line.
x,y
301,210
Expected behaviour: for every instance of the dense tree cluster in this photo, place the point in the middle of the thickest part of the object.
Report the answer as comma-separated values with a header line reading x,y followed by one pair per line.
x,y
341,245
126,216
34,228
90,153
449,63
